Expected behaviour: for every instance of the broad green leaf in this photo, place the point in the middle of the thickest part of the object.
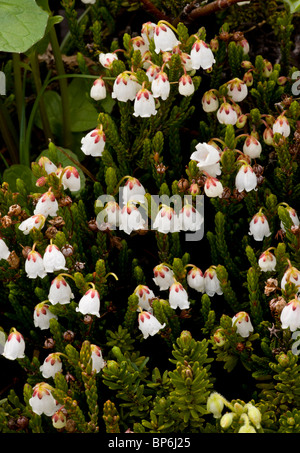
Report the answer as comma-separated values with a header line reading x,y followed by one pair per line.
x,y
53,107
294,5
83,113
22,24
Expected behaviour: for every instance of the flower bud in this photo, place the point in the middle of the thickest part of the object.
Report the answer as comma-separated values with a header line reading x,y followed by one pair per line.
x,y
215,404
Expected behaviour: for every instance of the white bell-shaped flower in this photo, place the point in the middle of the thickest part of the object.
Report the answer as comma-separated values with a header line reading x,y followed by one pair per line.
x,y
201,55
54,259
178,297
207,158
186,61
164,38
213,187
152,71
190,218
252,147
42,401
144,104
71,179
291,275
125,87
93,143
42,316
267,261
145,295
4,250
47,164
160,86
246,179
60,291
185,85
166,220
195,279
107,59
282,126
47,205
210,101
148,324
133,191
109,215
293,215
259,227
243,324
138,43
97,358
89,304
98,90
130,218
51,365
237,90
147,31
14,346
211,282
35,221
34,265
163,276
227,114
290,315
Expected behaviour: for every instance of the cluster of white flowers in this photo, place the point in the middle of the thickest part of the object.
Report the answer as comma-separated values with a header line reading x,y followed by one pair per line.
x,y
68,176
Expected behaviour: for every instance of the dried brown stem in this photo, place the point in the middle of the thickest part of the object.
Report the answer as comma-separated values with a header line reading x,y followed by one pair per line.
x,y
151,9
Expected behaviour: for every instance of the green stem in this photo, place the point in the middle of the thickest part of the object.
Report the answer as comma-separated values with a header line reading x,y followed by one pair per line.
x,y
7,132
63,84
38,84
18,83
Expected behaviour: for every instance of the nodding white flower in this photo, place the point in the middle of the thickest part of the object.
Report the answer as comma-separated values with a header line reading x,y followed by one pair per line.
x,y
98,90
54,259
237,90
166,220
35,221
268,136
97,358
227,114
42,316
59,420
210,101
125,87
144,104
246,178
164,38
144,294
201,55
89,304
147,32
160,86
248,78
34,265
47,164
152,71
211,282
130,218
185,85
281,126
138,43
291,275
190,219
178,297
186,61
163,276
293,215
148,324
133,191
93,143
213,187
243,324
259,227
208,158
252,147
290,315
52,365
268,68
71,179
109,215
60,291
47,205
42,400
267,261
195,279
215,404
107,59
14,346
4,250
245,45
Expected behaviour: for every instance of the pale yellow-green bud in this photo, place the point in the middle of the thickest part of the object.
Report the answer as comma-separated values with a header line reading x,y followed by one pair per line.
x,y
247,429
226,420
215,404
254,415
